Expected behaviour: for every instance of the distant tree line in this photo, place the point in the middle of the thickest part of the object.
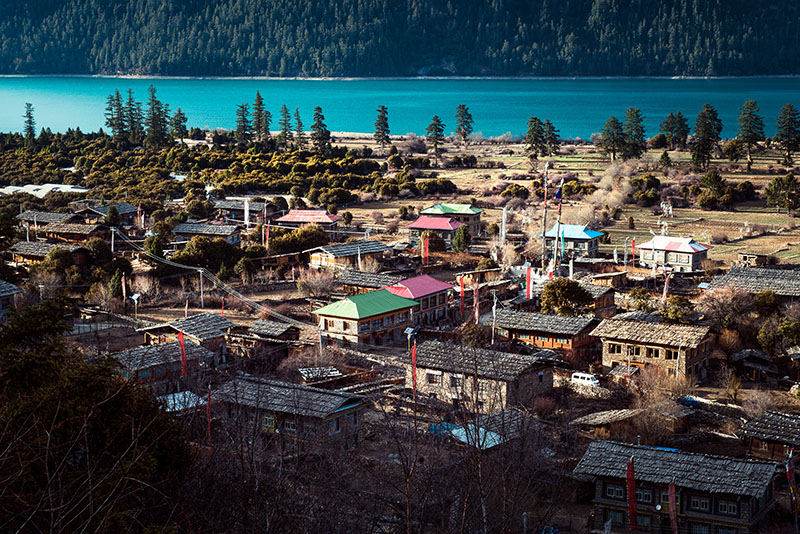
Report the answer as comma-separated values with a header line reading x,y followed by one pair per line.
x,y
413,37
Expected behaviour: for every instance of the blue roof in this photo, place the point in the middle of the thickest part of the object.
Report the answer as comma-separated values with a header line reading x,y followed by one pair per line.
x,y
573,231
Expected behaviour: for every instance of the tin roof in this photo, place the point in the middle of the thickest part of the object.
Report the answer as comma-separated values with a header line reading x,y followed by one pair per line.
x,y
418,287
446,208
309,216
573,231
674,244
366,305
426,222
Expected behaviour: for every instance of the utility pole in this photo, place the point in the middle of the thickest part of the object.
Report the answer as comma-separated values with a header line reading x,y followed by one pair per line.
x,y
494,312
113,231
544,217
202,301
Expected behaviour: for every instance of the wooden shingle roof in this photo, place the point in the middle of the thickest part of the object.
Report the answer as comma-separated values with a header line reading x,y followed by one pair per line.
x,y
267,328
699,472
539,322
773,426
38,249
206,229
362,246
8,289
44,217
152,355
671,335
201,327
369,280
783,282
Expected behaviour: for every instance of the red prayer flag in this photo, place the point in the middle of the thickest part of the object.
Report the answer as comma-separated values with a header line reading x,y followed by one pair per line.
x,y
184,363
222,311
633,249
208,416
631,495
426,249
528,282
414,366
124,289
673,507
462,298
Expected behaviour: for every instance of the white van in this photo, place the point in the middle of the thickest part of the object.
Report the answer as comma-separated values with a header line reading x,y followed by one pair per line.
x,y
585,379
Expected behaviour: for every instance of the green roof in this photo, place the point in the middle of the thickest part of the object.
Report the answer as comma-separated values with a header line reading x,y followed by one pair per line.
x,y
366,305
443,209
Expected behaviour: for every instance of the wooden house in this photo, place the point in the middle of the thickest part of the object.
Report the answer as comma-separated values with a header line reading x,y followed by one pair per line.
x,y
228,232
290,417
298,218
771,436
679,254
75,234
347,255
261,346
713,494
97,214
480,380
205,329
785,283
574,240
603,300
160,367
374,318
355,282
34,219
259,212
466,214
432,295
7,292
570,336
444,227
680,349
30,252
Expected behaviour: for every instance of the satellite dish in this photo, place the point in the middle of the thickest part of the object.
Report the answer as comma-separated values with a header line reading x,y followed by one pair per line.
x,y
658,507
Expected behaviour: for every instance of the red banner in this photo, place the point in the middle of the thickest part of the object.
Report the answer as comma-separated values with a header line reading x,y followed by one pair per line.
x,y
184,363
673,507
124,289
222,311
633,250
631,495
427,249
462,297
528,282
414,366
208,416
477,303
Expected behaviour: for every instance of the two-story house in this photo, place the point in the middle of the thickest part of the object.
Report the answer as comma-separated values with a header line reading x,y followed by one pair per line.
x,y
97,214
431,294
292,417
577,241
444,227
34,219
681,349
348,255
374,318
480,380
712,494
464,213
228,232
261,346
680,254
160,367
206,329
785,283
73,233
298,218
31,252
570,336
772,436
258,212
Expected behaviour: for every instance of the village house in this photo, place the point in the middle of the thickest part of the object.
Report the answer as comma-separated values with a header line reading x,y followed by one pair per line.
x,y
7,292
466,214
34,219
348,255
570,336
771,436
205,329
228,232
680,349
31,252
713,494
355,282
75,234
785,283
480,380
261,346
160,367
298,218
444,227
680,254
294,417
260,212
97,214
374,318
603,303
577,241
432,295
487,432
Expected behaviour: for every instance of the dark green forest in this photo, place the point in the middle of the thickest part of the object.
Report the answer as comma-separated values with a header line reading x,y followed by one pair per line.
x,y
400,37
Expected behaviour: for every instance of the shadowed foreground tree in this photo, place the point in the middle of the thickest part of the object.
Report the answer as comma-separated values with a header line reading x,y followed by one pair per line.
x,y
563,296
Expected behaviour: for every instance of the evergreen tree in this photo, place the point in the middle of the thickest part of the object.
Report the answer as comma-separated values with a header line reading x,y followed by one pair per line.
x,y
434,133
243,124
115,118
707,130
285,136
461,240
788,135
134,118
156,121
113,217
551,138
381,134
320,136
535,144
667,127
29,130
177,126
633,130
783,192
300,134
680,131
612,138
261,119
464,123
751,129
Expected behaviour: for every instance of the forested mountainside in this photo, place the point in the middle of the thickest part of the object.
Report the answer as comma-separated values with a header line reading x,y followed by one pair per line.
x,y
400,37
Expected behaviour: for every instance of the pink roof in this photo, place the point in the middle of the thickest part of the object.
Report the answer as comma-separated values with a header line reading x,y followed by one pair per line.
x,y
309,216
434,223
418,287
674,244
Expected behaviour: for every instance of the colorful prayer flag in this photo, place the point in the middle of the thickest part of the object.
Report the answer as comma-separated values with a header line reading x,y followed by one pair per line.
x,y
414,366
631,495
184,363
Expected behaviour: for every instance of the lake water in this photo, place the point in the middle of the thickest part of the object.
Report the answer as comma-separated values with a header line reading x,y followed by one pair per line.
x,y
577,107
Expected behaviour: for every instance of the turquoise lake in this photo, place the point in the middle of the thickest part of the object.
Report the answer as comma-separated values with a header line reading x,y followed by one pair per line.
x,y
577,107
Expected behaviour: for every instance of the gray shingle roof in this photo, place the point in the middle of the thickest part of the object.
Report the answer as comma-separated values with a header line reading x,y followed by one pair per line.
x,y
72,228
7,289
283,397
774,426
269,328
239,205
699,472
37,248
597,291
480,362
539,322
508,423
784,282
152,355
369,280
202,326
122,208
206,229
44,217
352,249
672,335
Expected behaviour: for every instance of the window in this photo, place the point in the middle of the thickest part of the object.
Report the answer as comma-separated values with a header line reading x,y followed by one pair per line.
x,y
726,530
637,350
762,445
727,507
160,371
401,317
354,419
644,495
335,426
542,338
376,324
562,340
433,378
671,354
144,373
643,520
388,320
442,298
698,528
541,377
289,426
653,353
456,381
614,348
615,491
699,504
616,517
268,422
483,387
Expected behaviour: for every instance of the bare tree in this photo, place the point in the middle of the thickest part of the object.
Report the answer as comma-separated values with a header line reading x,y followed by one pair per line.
x,y
315,283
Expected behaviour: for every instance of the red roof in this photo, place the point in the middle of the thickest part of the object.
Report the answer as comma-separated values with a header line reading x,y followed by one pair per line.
x,y
434,223
309,216
418,287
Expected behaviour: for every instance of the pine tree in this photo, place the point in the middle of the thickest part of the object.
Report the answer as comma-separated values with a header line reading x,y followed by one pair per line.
x,y
612,138
300,134
261,119
29,130
680,131
134,118
633,130
461,240
551,138
783,192
535,144
751,129
285,136
320,136
177,126
788,135
115,119
156,121
434,133
382,127
707,130
243,124
464,123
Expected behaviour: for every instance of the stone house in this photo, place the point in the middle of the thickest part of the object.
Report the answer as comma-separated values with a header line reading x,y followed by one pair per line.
x,y
208,330
570,336
97,214
444,227
30,252
578,241
355,282
431,294
261,346
34,219
771,436
680,254
348,255
160,368
466,214
228,232
75,234
785,283
713,494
